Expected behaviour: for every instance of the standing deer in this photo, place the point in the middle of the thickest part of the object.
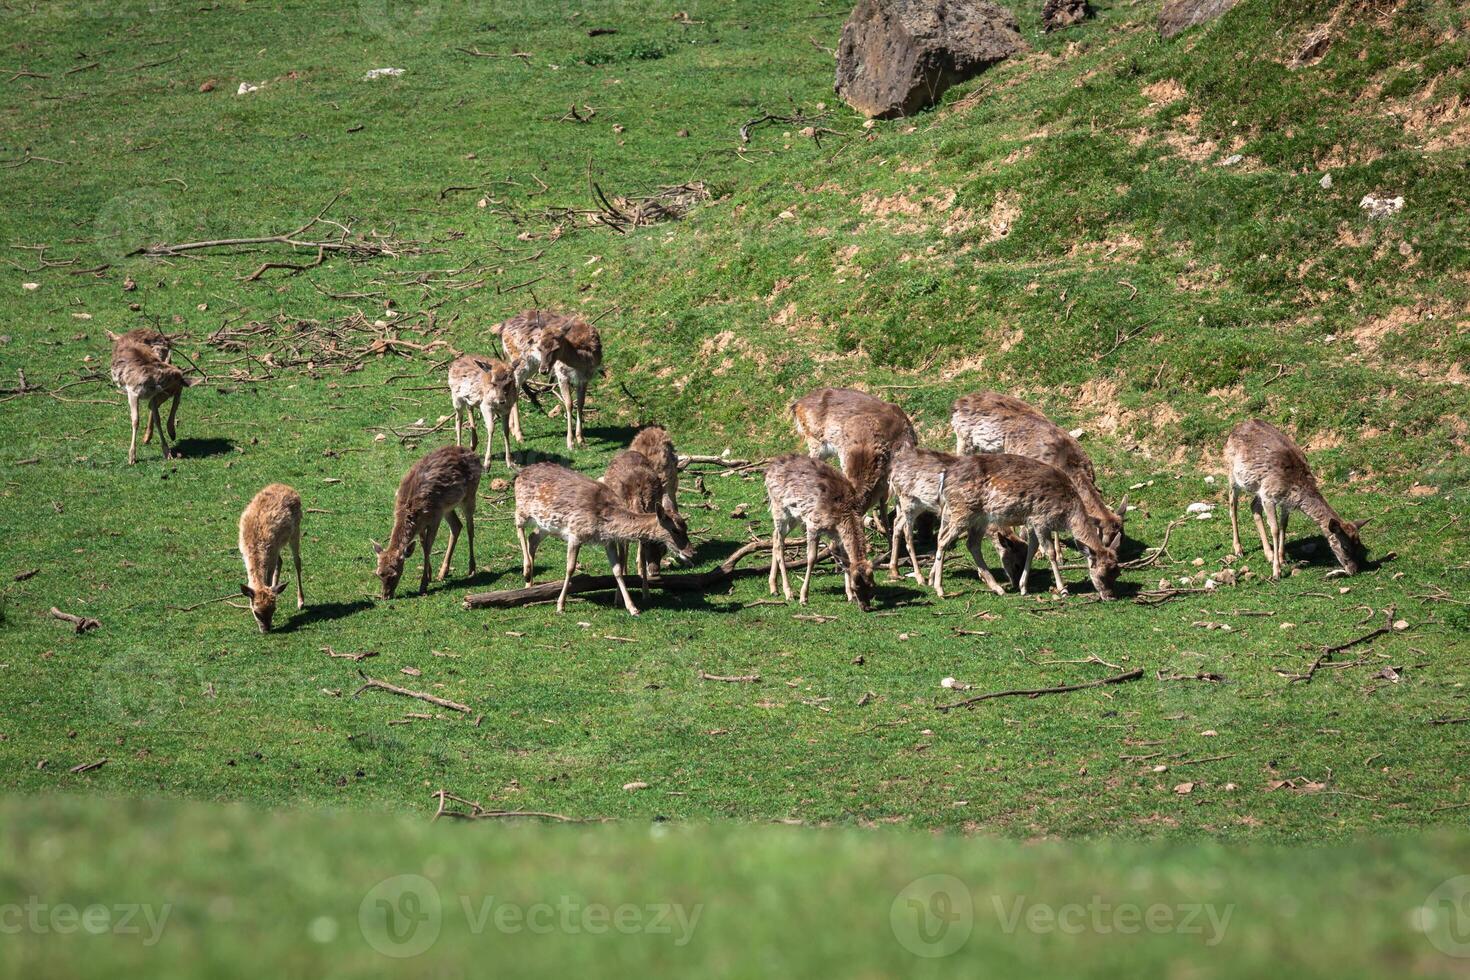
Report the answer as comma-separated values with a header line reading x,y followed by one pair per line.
x,y
433,487
270,522
637,483
145,377
654,443
571,353
806,490
520,335
990,422
488,385
861,431
1017,491
916,480
551,499
1264,462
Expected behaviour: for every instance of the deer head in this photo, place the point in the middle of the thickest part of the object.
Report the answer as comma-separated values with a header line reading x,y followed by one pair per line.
x,y
390,566
1346,545
263,603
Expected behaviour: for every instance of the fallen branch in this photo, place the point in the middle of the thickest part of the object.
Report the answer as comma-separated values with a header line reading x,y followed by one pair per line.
x,y
1325,656
88,766
478,812
80,624
372,682
1131,675
733,679
354,657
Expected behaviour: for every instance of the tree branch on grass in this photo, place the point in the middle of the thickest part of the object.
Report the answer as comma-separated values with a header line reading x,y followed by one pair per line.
x,y
1131,675
373,682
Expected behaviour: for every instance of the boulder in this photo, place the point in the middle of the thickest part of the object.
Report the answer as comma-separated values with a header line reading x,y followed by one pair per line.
x,y
1057,14
1181,15
898,56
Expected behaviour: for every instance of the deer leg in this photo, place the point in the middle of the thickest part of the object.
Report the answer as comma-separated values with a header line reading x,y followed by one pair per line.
x,y
908,540
581,402
811,560
1275,527
296,558
515,424
949,532
526,558
975,541
564,393
489,417
1031,543
458,439
898,521
505,438
778,558
454,528
1234,500
1282,513
1053,555
154,419
467,511
133,414
573,546
426,541
173,414
642,570
1256,512
616,556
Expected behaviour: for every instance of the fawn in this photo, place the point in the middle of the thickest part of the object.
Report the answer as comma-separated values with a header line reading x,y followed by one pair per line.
x,y
806,490
551,499
990,422
570,351
1264,462
916,480
1015,491
633,478
654,443
520,335
145,377
863,432
271,521
433,487
489,385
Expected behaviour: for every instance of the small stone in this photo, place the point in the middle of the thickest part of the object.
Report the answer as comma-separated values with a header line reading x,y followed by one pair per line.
x,y
635,786
30,286
208,85
1326,182
1400,624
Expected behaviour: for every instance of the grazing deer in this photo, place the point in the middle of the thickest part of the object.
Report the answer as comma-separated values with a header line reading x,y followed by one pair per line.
x,y
520,335
158,342
552,499
654,443
916,480
633,478
146,378
571,353
486,384
271,521
1018,491
431,490
1264,462
990,422
861,431
806,490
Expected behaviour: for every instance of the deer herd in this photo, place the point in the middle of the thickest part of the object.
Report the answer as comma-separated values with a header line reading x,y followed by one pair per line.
x,y
1016,480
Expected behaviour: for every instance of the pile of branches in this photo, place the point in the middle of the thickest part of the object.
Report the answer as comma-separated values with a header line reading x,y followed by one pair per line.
x,y
287,342
667,202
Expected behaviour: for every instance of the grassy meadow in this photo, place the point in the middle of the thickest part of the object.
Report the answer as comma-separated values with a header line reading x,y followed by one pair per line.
x,y
1151,240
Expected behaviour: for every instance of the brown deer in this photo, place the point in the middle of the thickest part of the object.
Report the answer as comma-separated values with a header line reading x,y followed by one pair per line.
x,y
486,385
520,335
158,342
639,485
144,377
654,443
570,351
861,431
990,422
271,521
1265,463
916,480
805,490
431,490
552,499
1018,491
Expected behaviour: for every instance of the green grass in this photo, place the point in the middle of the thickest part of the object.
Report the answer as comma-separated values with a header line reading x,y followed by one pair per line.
x,y
1060,227
299,893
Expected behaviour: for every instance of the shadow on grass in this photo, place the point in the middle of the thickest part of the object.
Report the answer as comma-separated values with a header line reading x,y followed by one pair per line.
x,y
322,613
201,448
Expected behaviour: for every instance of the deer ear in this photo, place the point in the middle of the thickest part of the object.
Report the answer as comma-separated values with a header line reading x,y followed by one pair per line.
x,y
377,548
1334,526
278,588
1123,509
408,552
247,591
1358,525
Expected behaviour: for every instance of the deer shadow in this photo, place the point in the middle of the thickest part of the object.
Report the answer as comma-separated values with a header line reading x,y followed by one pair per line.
x,y
201,448
322,613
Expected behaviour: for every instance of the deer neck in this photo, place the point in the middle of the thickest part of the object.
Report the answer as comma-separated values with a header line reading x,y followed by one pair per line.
x,y
854,542
627,524
1310,502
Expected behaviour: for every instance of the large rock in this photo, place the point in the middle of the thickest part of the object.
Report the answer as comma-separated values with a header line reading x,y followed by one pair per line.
x,y
898,56
1181,15
1057,14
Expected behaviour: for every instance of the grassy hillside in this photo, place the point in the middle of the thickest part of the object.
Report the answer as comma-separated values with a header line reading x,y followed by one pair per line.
x,y
1065,227
310,894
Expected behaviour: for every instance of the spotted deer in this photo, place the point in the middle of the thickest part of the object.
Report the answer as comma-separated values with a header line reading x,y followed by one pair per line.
x,y
433,488
916,481
154,340
990,422
1018,491
801,489
520,336
1264,462
639,485
486,385
551,499
861,431
147,379
270,522
654,443
570,351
